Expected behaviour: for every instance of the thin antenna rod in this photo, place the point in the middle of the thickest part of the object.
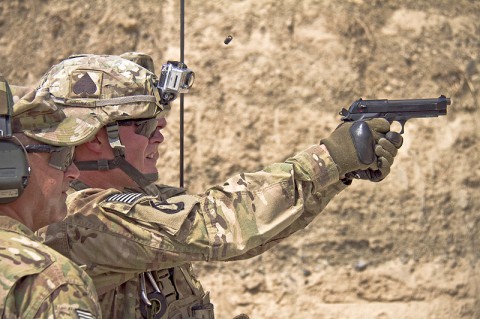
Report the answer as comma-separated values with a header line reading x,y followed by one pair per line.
x,y
182,47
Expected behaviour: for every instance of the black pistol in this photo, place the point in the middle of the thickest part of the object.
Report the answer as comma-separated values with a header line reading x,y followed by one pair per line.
x,y
395,110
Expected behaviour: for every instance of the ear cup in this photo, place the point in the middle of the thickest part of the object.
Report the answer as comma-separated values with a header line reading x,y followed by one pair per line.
x,y
14,170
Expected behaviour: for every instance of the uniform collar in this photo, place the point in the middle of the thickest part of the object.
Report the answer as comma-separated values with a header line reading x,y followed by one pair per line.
x,y
13,225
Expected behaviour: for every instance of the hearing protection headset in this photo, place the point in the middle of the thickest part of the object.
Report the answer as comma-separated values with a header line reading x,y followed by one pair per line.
x,y
14,167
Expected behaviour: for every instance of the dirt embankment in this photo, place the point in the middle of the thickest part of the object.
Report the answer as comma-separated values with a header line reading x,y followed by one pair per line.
x,y
407,247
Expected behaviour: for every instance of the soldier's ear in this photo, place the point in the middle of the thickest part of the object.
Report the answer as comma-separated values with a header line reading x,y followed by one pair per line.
x,y
96,144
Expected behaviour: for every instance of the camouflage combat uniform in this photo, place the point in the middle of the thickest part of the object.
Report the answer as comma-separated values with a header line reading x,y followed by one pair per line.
x,y
118,235
38,282
35,280
138,245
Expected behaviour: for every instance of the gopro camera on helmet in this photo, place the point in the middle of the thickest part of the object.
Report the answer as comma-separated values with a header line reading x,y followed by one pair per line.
x,y
175,78
14,168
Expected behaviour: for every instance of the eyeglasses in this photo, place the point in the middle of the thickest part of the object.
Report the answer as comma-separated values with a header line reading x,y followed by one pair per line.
x,y
61,157
146,127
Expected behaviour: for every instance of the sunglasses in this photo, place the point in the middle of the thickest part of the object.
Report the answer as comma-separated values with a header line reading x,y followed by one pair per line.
x,y
146,127
61,157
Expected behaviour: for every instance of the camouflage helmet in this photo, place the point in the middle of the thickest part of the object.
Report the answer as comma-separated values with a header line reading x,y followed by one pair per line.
x,y
140,58
96,90
36,115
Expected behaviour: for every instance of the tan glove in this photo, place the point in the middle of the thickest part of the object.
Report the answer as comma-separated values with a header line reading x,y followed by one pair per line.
x,y
361,148
385,150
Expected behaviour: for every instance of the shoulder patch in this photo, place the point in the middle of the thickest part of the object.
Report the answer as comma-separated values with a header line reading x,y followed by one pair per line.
x,y
169,208
123,202
126,198
170,214
82,314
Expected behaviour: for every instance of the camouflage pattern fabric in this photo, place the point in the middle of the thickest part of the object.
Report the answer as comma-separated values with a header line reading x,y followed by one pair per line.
x,y
87,99
36,114
140,58
35,111
118,235
38,282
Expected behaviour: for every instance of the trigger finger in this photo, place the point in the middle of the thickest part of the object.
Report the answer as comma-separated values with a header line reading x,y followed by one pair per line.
x,y
380,125
395,138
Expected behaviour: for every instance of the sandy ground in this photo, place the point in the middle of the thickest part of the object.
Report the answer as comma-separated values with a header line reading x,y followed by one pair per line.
x,y
407,247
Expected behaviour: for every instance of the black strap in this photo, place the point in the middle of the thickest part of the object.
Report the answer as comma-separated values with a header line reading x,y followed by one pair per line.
x,y
100,165
121,163
78,185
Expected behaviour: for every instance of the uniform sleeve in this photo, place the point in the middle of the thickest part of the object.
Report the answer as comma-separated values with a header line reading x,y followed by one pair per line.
x,y
46,286
111,232
71,299
74,295
252,212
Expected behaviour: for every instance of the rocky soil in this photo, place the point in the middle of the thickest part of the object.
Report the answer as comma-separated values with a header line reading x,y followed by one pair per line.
x,y
408,247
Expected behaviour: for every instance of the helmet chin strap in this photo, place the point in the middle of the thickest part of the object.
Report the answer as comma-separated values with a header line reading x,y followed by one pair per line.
x,y
144,181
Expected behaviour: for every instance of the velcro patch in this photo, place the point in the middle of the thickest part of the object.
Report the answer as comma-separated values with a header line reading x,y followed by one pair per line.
x,y
86,84
169,214
169,208
126,198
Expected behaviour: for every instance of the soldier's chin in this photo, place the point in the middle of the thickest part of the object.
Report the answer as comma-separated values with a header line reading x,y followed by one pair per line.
x,y
150,166
152,177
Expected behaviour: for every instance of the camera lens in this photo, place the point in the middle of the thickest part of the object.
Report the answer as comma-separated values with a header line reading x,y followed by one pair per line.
x,y
169,97
190,78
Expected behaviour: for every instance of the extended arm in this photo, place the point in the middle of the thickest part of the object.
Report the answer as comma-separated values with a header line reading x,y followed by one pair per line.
x,y
108,232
